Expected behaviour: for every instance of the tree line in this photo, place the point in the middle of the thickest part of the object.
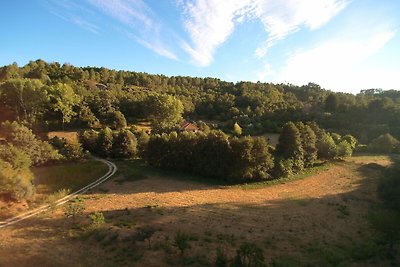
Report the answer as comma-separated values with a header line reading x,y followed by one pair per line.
x,y
55,96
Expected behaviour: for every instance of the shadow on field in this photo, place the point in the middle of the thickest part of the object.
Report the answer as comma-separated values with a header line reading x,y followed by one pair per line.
x,y
326,231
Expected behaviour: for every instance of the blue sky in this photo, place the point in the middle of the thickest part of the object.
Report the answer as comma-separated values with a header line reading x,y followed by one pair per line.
x,y
343,45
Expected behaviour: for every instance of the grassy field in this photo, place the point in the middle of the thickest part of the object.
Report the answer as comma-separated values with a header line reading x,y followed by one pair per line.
x,y
51,179
70,176
154,219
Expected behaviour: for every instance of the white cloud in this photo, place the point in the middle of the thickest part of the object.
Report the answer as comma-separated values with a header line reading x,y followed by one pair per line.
x,y
211,22
338,64
281,18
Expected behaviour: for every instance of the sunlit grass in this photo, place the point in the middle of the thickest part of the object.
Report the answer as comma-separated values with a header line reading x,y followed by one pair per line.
x,y
300,175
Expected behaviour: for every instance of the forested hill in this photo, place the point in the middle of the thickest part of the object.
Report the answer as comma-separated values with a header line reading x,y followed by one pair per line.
x,y
54,96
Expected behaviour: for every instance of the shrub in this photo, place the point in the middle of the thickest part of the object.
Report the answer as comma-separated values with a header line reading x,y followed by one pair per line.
x,y
124,145
70,150
74,208
15,184
385,143
88,139
15,176
97,219
181,241
221,259
283,168
326,147
344,149
249,255
22,137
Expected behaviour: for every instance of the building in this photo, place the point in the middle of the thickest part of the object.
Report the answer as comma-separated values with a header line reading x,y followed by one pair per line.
x,y
188,127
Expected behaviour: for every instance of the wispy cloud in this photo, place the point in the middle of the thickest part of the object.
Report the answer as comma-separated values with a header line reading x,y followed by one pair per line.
x,y
139,17
338,63
211,22
134,15
67,10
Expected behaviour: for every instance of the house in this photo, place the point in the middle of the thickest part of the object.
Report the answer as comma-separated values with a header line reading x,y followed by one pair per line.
x,y
2,141
188,127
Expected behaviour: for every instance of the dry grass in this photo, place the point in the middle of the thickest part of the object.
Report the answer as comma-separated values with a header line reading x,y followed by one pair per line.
x,y
319,221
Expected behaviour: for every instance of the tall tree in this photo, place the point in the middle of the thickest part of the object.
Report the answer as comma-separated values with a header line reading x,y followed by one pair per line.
x,y
165,112
290,146
63,100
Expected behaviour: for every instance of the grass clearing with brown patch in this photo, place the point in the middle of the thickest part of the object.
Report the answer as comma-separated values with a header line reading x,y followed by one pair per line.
x,y
316,221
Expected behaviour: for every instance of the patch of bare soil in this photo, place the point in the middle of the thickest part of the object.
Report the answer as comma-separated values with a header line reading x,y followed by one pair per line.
x,y
299,220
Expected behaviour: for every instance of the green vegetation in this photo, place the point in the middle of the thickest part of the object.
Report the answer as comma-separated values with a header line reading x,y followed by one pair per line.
x,y
70,176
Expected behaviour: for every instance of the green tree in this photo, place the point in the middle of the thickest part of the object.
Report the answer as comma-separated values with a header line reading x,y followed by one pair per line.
x,y
344,149
105,142
308,142
125,145
22,137
326,147
26,97
331,103
15,176
290,146
385,143
164,111
63,100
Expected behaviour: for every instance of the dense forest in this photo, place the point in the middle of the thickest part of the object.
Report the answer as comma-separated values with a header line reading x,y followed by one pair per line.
x,y
104,106
53,96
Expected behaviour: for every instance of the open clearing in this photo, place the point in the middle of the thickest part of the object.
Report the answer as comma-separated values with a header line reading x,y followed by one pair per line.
x,y
319,221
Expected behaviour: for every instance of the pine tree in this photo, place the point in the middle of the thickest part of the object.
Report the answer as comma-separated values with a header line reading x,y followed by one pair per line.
x,y
308,141
125,145
105,142
290,147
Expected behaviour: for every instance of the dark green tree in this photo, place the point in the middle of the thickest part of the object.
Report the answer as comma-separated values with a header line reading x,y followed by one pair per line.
x,y
105,142
125,145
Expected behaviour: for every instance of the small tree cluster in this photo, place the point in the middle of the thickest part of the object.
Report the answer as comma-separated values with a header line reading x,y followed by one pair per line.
x,y
15,176
385,143
106,143
300,145
69,150
20,136
212,155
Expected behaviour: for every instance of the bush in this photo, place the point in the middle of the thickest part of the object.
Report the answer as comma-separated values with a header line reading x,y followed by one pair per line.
x,y
344,149
15,176
74,208
15,184
385,143
326,147
124,145
181,241
97,219
40,152
249,255
88,139
283,168
70,151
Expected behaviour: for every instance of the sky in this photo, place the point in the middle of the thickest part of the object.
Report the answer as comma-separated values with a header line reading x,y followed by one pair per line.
x,y
342,45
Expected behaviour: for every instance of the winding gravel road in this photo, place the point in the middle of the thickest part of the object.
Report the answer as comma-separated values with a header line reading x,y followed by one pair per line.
x,y
112,168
